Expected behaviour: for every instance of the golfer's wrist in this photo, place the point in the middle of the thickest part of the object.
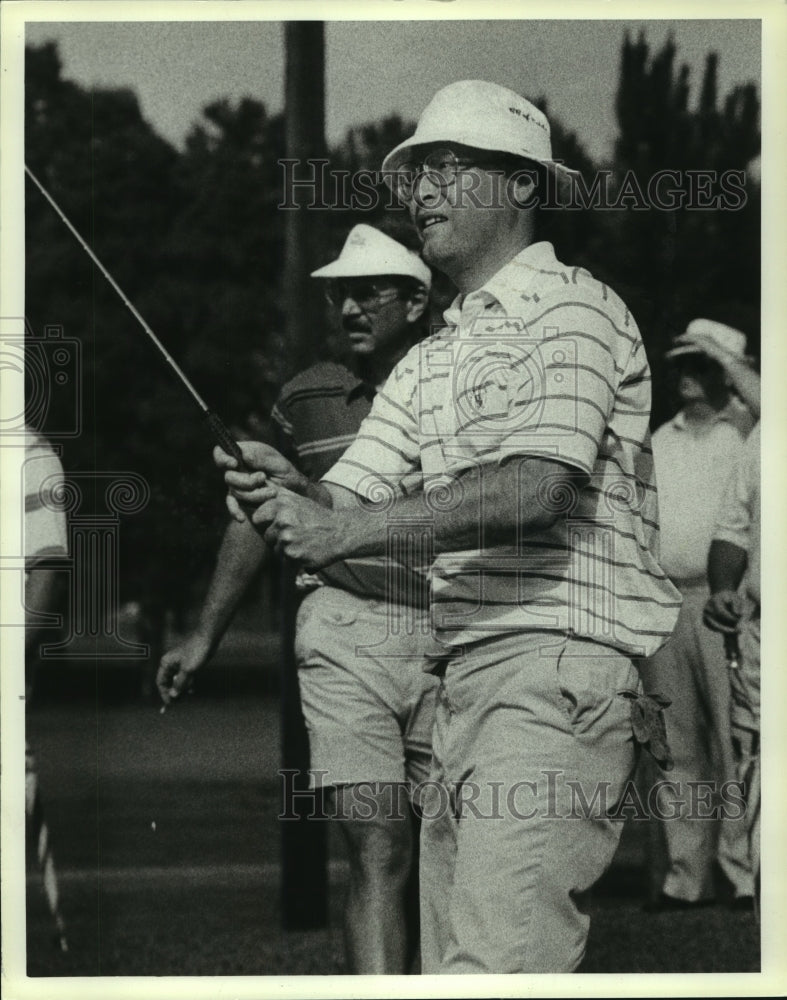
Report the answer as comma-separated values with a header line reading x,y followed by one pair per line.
x,y
359,534
318,493
207,635
297,482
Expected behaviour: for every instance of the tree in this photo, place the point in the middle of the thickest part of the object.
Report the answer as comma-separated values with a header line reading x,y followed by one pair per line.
x,y
364,195
225,250
676,262
574,233
116,180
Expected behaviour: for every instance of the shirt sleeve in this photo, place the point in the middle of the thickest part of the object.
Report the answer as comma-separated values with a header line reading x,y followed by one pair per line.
x,y
384,457
734,521
46,533
556,387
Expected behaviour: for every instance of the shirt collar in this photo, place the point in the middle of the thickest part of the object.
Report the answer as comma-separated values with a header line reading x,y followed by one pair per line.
x,y
507,286
359,388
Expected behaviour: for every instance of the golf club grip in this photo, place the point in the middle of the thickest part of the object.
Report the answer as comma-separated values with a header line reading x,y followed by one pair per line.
x,y
224,438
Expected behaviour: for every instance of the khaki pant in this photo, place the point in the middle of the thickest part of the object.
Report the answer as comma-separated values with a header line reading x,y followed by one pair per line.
x,y
527,728
746,731
747,759
691,670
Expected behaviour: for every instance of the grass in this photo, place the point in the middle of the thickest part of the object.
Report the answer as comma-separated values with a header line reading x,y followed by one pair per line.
x,y
167,843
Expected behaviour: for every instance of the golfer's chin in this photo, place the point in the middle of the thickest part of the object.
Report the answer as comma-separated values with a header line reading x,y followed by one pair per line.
x,y
437,247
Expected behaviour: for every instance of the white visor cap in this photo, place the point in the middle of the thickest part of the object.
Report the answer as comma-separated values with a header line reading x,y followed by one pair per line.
x,y
485,116
727,337
368,252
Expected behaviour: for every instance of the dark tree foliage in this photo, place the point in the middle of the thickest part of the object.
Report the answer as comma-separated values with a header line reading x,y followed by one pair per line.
x,y
673,264
571,232
118,183
364,196
226,248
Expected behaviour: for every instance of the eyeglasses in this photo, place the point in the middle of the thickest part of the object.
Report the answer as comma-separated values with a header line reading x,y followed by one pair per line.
x,y
369,295
440,165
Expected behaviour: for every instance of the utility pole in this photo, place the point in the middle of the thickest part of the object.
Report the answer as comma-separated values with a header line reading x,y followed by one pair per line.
x,y
304,892
304,142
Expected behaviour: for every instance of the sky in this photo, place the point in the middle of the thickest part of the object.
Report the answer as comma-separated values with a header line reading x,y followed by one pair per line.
x,y
380,67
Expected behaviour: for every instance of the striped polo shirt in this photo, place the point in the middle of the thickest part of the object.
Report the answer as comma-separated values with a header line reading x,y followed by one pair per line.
x,y
542,361
45,534
317,415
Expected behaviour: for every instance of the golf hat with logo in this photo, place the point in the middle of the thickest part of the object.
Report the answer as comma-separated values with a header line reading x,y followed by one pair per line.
x,y
726,337
368,252
485,116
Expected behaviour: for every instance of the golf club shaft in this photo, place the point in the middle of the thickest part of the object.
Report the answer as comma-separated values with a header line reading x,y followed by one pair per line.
x,y
217,426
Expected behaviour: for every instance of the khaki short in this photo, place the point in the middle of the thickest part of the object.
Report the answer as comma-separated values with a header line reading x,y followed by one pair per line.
x,y
367,700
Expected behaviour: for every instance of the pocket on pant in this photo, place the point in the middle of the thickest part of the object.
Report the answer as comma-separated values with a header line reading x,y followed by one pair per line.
x,y
318,617
589,678
304,628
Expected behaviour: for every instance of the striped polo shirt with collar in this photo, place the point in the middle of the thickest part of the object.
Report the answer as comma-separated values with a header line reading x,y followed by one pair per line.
x,y
318,414
543,360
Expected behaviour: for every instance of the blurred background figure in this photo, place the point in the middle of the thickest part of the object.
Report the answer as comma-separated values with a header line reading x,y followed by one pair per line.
x,y
45,543
734,610
695,454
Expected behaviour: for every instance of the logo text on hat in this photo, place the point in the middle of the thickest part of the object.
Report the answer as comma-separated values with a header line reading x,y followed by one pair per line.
x,y
528,116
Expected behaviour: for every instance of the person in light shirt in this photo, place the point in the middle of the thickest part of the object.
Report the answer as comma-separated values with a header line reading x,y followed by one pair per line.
x,y
695,453
517,438
733,609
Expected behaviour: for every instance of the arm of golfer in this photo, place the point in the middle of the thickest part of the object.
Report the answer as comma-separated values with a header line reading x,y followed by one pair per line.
x,y
241,555
326,527
726,566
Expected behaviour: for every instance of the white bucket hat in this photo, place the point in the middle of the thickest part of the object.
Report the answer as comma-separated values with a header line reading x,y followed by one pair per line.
x,y
368,252
483,115
726,337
